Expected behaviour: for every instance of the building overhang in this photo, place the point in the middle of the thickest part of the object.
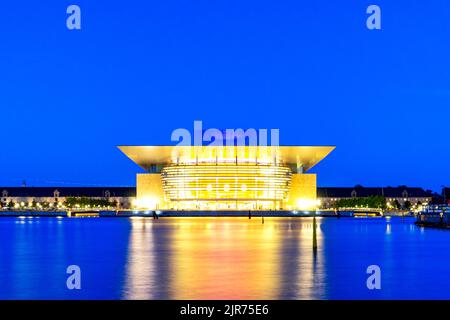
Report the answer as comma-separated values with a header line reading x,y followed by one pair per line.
x,y
304,156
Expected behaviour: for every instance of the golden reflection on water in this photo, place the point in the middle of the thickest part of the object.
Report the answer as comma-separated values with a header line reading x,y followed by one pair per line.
x,y
223,258
140,262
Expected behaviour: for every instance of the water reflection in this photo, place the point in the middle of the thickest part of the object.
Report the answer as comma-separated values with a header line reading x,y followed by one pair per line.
x,y
140,266
223,258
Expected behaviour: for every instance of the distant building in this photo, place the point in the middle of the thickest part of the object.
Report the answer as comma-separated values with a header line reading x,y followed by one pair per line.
x,y
125,197
54,196
416,196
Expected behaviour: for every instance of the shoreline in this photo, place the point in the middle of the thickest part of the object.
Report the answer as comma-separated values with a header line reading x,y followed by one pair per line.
x,y
209,214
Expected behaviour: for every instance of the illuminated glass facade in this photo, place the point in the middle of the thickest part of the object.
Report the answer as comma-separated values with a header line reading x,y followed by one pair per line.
x,y
226,186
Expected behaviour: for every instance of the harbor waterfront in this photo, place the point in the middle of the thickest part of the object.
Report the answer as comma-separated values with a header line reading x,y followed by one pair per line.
x,y
222,258
351,212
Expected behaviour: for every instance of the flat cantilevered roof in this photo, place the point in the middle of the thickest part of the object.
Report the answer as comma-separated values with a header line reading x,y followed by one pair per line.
x,y
146,156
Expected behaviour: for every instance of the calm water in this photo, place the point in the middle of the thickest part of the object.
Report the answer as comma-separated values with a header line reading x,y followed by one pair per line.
x,y
221,258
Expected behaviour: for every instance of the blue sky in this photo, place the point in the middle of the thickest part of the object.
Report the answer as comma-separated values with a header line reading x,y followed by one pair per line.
x,y
139,69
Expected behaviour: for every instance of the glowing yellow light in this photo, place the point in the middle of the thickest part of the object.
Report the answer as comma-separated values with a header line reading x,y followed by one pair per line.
x,y
145,203
306,204
242,186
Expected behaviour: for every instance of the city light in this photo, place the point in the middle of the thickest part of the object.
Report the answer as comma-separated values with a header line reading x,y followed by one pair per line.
x,y
305,204
145,203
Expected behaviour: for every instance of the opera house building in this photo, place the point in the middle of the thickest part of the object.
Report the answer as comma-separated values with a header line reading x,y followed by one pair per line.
x,y
226,178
